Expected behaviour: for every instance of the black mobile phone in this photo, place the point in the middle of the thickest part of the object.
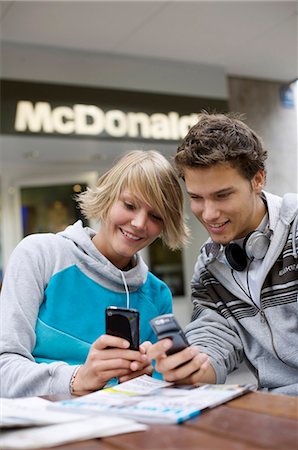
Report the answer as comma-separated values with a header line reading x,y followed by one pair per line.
x,y
124,323
167,326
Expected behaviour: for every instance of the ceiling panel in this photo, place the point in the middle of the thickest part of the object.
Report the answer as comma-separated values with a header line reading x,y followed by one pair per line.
x,y
253,38
79,25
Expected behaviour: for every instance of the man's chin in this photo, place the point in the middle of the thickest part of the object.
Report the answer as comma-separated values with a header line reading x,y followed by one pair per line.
x,y
220,241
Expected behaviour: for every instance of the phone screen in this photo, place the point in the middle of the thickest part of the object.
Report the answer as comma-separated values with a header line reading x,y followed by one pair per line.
x,y
124,323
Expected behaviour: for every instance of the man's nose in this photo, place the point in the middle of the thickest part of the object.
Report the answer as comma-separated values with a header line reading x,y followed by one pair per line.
x,y
210,211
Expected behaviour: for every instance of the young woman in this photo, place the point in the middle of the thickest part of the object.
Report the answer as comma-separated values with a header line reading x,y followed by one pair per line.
x,y
57,286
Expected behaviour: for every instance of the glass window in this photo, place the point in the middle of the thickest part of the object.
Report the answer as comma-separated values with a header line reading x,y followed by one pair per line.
x,y
168,266
50,208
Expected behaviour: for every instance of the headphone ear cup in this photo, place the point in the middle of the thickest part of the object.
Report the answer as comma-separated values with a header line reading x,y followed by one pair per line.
x,y
256,244
235,257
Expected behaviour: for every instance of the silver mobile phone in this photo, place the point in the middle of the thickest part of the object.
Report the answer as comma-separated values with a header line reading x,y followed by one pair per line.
x,y
166,326
124,323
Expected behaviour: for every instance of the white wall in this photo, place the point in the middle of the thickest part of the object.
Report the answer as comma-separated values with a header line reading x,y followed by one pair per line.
x,y
24,62
276,123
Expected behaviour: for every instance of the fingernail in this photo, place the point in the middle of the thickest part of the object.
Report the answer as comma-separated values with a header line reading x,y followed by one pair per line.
x,y
167,344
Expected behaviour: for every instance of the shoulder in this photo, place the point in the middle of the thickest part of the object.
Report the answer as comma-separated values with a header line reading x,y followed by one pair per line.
x,y
39,243
202,261
33,242
289,206
158,293
44,252
285,208
155,283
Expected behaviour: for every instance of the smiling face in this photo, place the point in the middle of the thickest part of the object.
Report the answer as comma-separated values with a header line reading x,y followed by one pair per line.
x,y
227,204
131,225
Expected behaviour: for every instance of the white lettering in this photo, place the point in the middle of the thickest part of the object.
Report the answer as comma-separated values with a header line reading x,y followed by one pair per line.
x,y
160,128
134,121
174,125
35,119
185,123
116,124
63,120
287,269
91,120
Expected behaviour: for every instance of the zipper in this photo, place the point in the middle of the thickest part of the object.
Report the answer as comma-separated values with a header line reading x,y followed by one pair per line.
x,y
263,317
265,320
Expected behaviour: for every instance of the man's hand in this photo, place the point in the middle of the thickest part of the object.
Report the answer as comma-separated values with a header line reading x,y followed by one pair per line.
x,y
189,366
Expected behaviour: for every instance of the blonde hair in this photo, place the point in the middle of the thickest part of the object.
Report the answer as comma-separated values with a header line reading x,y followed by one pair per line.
x,y
150,176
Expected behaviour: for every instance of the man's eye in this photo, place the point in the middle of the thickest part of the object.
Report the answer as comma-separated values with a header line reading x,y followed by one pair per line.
x,y
195,197
224,195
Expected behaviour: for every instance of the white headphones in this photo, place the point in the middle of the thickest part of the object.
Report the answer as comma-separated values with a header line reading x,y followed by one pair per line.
x,y
255,246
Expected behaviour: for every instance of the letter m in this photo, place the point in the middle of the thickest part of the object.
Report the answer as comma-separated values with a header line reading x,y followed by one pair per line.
x,y
33,118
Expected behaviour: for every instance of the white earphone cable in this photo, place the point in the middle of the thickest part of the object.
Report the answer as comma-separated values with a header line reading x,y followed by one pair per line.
x,y
126,289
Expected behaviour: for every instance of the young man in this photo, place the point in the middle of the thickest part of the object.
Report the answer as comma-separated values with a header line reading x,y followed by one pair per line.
x,y
245,282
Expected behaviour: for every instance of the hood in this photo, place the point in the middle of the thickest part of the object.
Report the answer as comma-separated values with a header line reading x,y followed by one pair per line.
x,y
98,264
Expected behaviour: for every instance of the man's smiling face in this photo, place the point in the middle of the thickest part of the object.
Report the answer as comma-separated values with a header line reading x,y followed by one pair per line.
x,y
224,201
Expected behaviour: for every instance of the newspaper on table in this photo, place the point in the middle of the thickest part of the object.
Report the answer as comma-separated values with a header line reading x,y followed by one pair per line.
x,y
124,408
148,400
39,426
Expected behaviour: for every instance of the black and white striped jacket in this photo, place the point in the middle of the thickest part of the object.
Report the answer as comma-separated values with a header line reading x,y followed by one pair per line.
x,y
228,326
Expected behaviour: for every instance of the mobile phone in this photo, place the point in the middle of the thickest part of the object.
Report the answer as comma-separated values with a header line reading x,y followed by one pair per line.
x,y
124,323
167,326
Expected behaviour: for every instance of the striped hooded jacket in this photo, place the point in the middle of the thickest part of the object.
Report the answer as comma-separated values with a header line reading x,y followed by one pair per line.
x,y
230,327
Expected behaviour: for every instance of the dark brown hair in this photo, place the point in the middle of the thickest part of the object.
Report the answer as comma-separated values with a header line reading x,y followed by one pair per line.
x,y
221,139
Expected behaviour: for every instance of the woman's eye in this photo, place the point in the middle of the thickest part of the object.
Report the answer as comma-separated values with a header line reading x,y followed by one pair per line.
x,y
129,205
157,218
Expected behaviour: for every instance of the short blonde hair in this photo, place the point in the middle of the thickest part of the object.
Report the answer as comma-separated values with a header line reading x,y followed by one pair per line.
x,y
150,176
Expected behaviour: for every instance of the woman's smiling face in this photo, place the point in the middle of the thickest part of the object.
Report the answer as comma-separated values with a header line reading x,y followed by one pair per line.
x,y
224,201
131,225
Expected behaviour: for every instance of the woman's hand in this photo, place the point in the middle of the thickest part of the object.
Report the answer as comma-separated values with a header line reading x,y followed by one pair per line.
x,y
144,368
109,357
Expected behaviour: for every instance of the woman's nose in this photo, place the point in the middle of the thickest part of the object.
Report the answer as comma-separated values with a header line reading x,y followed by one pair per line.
x,y
139,220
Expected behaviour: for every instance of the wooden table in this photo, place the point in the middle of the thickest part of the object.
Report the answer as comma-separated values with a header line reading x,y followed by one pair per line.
x,y
251,422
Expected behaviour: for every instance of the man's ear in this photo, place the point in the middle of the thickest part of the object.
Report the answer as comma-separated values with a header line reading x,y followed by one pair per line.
x,y
258,181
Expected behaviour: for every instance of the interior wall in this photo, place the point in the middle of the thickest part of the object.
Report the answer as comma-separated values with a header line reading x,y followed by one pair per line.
x,y
35,63
275,120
